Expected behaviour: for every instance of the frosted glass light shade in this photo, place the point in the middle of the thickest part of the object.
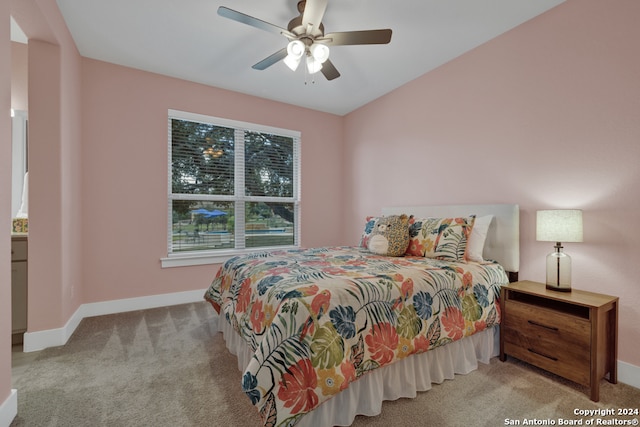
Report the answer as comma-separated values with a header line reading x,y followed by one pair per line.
x,y
292,62
313,66
295,50
320,52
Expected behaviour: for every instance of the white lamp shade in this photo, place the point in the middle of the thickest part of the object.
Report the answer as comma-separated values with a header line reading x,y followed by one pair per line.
x,y
562,225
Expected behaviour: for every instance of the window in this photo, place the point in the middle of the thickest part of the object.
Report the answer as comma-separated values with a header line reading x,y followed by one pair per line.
x,y
233,187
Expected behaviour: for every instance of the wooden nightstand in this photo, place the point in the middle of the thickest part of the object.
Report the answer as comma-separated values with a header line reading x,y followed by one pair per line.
x,y
572,334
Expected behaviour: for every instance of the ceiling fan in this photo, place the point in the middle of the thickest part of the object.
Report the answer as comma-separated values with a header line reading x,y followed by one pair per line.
x,y
307,39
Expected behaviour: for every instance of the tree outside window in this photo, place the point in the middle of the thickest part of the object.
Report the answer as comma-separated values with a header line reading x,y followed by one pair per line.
x,y
232,186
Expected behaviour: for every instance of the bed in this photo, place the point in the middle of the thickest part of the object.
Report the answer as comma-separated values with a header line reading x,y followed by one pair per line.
x,y
325,334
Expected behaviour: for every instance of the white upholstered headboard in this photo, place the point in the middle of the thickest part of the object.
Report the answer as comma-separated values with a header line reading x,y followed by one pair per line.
x,y
503,238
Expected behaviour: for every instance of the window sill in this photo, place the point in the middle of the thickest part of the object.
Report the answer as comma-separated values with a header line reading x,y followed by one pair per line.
x,y
220,257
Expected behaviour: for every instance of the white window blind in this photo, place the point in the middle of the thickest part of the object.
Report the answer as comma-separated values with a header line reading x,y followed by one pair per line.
x,y
233,186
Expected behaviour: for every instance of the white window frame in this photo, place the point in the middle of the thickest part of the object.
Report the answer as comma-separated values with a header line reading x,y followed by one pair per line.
x,y
216,256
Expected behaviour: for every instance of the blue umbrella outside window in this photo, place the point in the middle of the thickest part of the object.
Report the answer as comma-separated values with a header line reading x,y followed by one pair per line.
x,y
200,211
214,213
208,214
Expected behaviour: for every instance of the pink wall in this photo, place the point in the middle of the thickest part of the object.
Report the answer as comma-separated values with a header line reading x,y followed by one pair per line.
x,y
545,116
124,194
5,204
54,164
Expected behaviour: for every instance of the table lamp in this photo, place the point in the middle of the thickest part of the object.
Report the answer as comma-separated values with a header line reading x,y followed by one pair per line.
x,y
563,225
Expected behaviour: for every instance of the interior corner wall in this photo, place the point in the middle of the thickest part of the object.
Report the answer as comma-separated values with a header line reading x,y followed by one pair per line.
x,y
45,190
97,234
545,116
5,216
125,175
54,81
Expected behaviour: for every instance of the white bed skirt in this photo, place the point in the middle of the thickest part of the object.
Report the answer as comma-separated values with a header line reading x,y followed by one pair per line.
x,y
402,379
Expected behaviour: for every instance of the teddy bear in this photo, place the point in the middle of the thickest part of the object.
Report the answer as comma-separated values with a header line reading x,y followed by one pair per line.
x,y
390,236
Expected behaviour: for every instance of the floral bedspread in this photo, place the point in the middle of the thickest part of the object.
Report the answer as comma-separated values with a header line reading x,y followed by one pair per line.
x,y
318,319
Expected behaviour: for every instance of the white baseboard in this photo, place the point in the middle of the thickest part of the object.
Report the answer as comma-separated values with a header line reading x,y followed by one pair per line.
x,y
629,374
39,340
9,409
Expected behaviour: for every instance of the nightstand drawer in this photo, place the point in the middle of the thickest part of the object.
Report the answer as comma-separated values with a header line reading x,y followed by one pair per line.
x,y
557,342
562,364
564,330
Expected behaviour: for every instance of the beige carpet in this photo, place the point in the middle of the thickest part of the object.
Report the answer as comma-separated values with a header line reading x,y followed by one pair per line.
x,y
169,367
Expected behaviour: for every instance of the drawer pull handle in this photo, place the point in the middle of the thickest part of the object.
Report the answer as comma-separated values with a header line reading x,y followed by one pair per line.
x,y
555,359
552,328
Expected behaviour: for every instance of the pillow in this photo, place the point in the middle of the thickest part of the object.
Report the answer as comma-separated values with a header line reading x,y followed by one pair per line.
x,y
441,238
368,229
415,248
475,246
390,236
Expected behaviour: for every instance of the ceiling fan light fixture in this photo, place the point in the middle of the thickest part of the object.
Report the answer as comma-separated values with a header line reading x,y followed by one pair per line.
x,y
292,62
313,65
307,38
295,50
320,52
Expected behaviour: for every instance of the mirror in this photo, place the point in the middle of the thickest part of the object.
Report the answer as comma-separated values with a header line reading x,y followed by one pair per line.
x,y
19,165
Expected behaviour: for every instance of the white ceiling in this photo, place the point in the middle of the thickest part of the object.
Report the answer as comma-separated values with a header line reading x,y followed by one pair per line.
x,y
187,39
17,35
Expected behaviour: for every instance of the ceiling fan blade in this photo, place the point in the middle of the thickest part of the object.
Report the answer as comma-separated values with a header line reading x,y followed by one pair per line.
x,y
254,22
271,59
356,37
313,13
329,70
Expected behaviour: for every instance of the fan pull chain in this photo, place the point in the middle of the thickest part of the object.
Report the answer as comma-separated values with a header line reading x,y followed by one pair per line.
x,y
306,74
